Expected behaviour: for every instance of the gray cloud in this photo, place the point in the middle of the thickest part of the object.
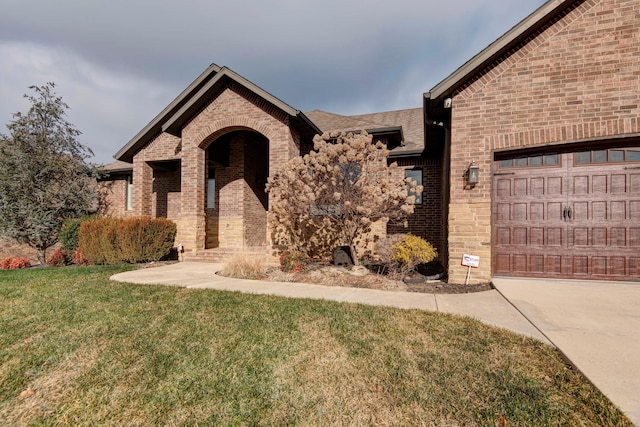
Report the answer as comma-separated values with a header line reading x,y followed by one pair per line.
x,y
118,63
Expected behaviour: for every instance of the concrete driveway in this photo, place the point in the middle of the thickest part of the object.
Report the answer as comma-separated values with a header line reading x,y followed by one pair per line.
x,y
595,324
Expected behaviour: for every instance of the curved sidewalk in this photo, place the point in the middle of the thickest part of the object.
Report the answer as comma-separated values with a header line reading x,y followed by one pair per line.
x,y
489,307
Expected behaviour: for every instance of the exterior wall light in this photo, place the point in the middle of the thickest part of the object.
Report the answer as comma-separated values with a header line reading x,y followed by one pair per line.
x,y
472,175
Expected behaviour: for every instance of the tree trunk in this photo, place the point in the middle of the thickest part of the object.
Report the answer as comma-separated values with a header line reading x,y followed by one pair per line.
x,y
42,256
354,255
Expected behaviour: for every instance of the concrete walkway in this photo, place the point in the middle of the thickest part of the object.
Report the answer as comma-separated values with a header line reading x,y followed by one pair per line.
x,y
595,324
489,307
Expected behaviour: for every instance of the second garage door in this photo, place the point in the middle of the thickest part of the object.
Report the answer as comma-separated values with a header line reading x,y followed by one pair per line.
x,y
567,215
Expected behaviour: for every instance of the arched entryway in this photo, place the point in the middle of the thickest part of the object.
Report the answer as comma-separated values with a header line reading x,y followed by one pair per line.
x,y
236,204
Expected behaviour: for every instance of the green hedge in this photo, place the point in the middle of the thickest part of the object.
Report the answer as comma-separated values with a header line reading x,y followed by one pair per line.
x,y
132,240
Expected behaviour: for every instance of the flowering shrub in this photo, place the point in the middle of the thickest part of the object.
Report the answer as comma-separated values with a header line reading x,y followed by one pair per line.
x,y
14,263
412,250
78,258
292,262
334,194
59,258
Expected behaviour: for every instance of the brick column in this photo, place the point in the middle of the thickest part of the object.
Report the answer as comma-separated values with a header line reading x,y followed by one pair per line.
x,y
142,187
191,225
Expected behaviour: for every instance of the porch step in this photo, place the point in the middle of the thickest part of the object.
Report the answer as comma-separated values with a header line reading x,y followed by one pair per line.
x,y
221,255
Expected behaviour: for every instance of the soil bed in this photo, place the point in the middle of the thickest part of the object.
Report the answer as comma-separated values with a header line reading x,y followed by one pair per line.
x,y
360,277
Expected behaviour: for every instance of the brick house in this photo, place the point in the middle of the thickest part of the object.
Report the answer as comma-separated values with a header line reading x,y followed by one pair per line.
x,y
547,115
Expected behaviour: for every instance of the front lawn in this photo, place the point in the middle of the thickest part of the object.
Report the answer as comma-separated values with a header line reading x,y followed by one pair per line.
x,y
77,349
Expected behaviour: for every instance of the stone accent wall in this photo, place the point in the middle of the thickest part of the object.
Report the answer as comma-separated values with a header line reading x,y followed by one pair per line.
x,y
576,80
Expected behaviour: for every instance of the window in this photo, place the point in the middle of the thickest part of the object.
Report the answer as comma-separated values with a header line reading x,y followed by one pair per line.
x,y
416,175
618,155
533,160
211,190
129,192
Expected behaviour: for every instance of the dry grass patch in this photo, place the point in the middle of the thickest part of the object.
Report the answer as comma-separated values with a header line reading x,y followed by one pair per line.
x,y
245,266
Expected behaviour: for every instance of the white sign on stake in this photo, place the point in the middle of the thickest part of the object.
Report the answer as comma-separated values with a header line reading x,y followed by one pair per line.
x,y
471,261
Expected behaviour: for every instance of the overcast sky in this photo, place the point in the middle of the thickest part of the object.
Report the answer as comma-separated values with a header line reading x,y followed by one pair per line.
x,y
118,63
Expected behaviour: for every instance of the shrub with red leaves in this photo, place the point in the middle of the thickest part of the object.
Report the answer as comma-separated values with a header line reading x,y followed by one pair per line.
x,y
59,258
78,258
14,263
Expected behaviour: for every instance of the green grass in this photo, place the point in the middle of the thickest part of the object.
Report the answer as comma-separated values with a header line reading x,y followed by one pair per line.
x,y
97,352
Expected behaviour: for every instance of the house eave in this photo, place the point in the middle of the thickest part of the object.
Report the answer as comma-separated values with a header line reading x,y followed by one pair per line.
x,y
154,127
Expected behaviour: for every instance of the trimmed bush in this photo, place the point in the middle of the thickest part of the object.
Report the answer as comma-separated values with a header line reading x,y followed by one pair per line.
x,y
131,240
59,258
145,239
68,234
14,263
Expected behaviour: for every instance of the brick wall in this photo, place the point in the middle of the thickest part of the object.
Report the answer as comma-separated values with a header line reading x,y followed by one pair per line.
x,y
576,80
113,195
234,109
426,221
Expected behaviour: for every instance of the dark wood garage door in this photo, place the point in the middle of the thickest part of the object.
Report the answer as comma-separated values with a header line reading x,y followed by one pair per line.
x,y
568,215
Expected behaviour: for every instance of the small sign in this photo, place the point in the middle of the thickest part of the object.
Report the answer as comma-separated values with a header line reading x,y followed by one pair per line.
x,y
471,261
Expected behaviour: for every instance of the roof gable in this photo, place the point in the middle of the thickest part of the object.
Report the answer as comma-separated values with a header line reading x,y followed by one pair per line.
x,y
197,95
490,56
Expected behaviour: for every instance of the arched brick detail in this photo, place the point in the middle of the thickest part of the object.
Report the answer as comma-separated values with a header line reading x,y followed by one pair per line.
x,y
221,127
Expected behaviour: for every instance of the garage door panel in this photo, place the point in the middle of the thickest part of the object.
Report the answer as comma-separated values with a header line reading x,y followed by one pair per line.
x,y
554,211
618,183
568,221
619,266
502,263
503,187
536,236
520,187
580,236
618,236
536,211
599,211
634,210
553,264
599,236
580,185
634,236
599,184
555,236
536,263
519,212
618,210
580,211
537,186
519,236
555,186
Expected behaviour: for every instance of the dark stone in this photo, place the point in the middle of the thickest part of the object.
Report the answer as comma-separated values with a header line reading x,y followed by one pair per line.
x,y
342,256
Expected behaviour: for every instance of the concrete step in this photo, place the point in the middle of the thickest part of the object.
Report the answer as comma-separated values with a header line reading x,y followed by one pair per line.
x,y
221,255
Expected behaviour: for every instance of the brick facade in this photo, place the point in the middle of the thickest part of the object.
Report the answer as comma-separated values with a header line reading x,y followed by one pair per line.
x,y
576,80
426,221
171,173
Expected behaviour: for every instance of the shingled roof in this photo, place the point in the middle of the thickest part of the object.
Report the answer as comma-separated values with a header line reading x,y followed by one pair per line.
x,y
408,125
